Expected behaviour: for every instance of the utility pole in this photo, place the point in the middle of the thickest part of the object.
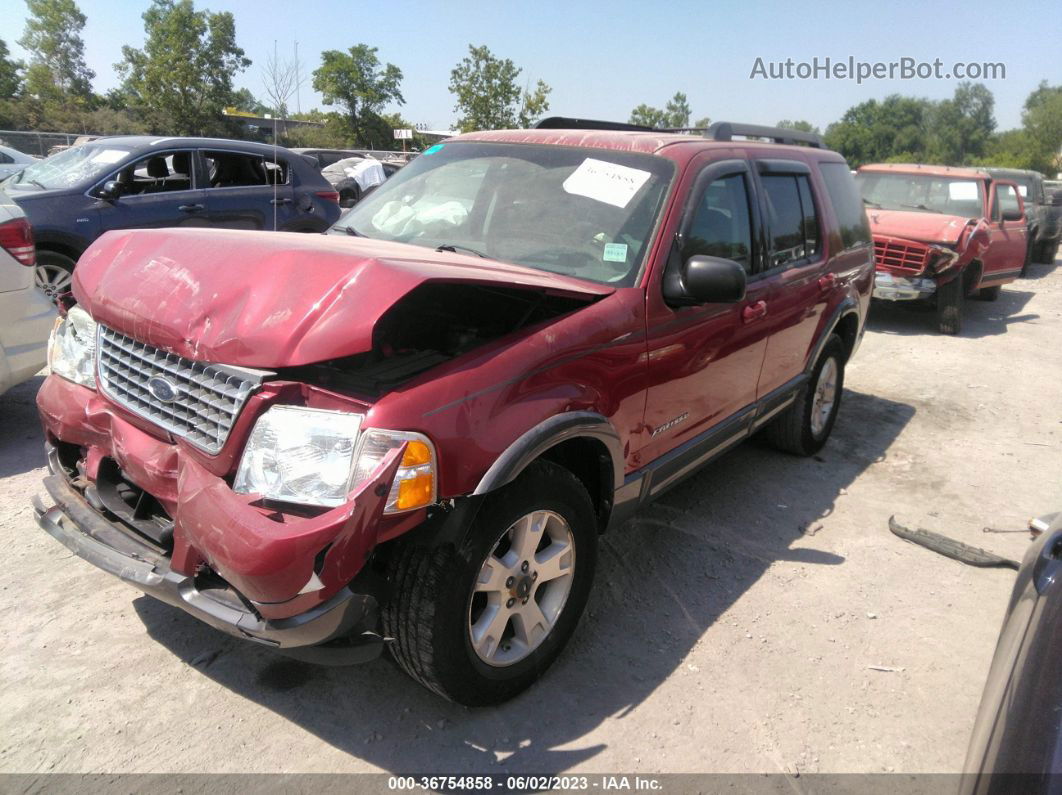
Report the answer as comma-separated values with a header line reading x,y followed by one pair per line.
x,y
298,80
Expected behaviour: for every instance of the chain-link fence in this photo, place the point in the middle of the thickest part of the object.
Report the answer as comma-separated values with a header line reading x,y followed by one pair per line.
x,y
40,144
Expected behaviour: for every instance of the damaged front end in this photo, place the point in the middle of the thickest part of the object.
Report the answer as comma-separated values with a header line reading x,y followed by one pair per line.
x,y
910,270
254,493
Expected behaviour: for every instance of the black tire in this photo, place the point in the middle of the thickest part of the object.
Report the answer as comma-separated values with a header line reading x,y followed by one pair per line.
x,y
792,430
47,273
349,193
1046,252
429,612
989,293
949,306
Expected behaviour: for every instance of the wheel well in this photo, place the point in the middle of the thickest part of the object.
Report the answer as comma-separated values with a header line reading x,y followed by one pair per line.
x,y
847,329
58,248
972,276
589,460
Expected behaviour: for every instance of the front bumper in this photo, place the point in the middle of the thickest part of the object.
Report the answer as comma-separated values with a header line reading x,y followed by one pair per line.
x,y
902,288
108,546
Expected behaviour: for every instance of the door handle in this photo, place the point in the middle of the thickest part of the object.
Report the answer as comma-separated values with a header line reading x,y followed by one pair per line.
x,y
190,208
754,312
827,282
275,202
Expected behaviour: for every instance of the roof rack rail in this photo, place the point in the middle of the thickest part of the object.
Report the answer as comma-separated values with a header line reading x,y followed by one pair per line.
x,y
566,123
726,130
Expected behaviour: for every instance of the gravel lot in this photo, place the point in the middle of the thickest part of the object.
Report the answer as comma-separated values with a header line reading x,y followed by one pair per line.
x,y
732,627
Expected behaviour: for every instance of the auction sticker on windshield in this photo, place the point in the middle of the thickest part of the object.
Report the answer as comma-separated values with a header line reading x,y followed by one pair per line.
x,y
962,191
605,182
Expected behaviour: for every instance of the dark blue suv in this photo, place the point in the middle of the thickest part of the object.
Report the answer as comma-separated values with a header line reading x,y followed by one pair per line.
x,y
127,182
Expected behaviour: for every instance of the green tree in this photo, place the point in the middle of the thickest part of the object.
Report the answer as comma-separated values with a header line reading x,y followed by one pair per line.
x,y
1042,120
1011,149
243,99
675,114
359,83
10,73
703,123
800,125
874,132
958,129
488,95
182,80
57,73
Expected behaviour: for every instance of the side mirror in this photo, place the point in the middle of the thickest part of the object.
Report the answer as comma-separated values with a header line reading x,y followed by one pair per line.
x,y
713,280
111,190
1013,215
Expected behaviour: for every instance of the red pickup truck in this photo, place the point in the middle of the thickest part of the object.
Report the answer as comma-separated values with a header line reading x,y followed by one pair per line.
x,y
942,234
410,433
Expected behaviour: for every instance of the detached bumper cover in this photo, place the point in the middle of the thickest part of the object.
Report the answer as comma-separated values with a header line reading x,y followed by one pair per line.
x,y
74,523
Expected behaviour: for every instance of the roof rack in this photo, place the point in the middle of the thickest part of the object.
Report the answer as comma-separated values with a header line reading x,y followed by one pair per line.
x,y
566,123
726,130
720,131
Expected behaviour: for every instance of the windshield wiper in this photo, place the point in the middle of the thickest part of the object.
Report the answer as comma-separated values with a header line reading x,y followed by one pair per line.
x,y
453,248
872,204
350,230
922,207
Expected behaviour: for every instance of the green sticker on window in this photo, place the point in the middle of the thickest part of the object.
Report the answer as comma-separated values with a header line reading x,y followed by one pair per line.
x,y
433,149
615,252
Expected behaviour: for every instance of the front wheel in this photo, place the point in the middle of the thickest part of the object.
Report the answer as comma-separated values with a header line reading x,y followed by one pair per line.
x,y
480,623
949,306
804,427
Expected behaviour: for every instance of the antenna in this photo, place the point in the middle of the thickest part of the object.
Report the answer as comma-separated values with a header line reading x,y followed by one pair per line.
x,y
276,168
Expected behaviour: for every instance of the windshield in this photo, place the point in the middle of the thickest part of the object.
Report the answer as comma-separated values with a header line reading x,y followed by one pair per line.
x,y
587,213
921,193
69,167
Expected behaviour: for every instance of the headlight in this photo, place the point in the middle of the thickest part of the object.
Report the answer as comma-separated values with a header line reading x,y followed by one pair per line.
x,y
72,348
316,457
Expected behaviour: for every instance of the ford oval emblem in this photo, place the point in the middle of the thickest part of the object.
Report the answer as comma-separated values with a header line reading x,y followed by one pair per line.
x,y
161,389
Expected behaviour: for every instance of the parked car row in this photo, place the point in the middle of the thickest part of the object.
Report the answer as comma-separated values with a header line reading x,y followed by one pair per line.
x,y
131,182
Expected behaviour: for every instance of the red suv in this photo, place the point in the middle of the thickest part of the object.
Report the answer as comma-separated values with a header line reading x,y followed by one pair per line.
x,y
942,234
410,433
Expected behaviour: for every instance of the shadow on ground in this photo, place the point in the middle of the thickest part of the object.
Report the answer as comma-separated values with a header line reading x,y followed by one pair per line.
x,y
21,437
663,579
979,319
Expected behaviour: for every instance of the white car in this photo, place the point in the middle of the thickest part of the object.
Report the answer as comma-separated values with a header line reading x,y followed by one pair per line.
x,y
12,161
26,314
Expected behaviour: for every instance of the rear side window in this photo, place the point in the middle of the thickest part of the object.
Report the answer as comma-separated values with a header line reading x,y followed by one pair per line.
x,y
5,158
793,222
720,226
235,169
847,204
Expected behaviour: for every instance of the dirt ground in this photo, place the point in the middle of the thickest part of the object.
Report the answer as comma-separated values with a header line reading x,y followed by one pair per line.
x,y
732,629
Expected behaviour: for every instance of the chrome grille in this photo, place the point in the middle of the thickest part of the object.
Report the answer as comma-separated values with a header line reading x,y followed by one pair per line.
x,y
207,397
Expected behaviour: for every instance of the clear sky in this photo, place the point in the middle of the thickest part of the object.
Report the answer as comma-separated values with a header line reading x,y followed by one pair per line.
x,y
604,58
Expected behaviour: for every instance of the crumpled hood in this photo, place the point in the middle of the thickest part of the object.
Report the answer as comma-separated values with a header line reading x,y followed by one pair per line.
x,y
921,226
270,299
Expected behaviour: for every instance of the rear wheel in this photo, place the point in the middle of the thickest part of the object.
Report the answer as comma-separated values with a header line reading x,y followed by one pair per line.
x,y
949,306
53,274
804,427
478,624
